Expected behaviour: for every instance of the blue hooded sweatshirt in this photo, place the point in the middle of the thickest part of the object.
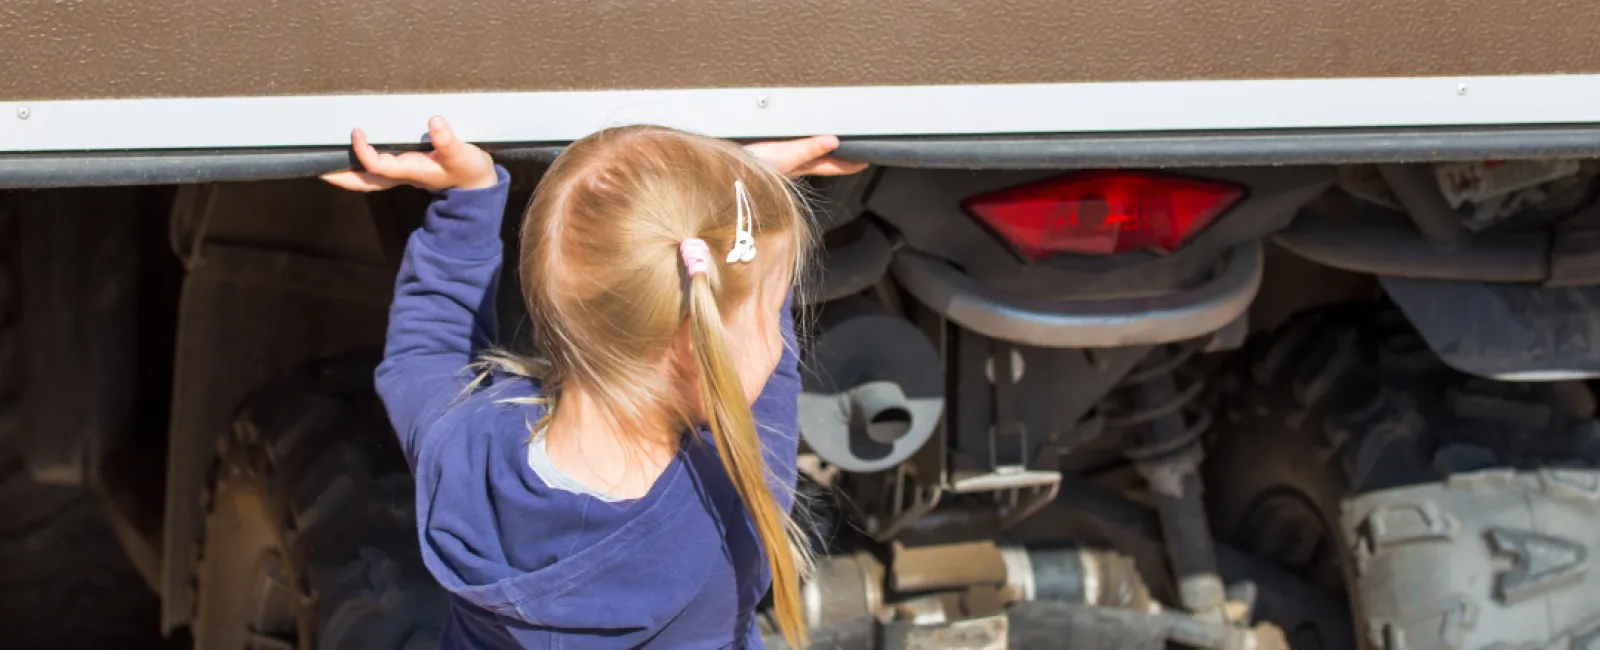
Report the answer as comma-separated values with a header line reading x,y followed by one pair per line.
x,y
535,566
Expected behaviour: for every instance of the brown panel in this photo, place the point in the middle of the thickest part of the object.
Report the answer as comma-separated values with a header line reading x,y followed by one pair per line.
x,y
57,49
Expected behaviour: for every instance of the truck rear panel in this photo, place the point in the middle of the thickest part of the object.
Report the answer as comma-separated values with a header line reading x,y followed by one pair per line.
x,y
237,74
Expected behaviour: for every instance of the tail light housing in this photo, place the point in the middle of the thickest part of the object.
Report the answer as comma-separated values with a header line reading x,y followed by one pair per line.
x,y
1103,212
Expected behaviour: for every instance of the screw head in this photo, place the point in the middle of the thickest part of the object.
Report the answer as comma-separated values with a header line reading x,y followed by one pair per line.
x,y
762,101
23,113
1461,89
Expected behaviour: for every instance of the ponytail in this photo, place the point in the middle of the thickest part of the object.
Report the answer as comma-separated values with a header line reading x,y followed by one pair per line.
x,y
722,397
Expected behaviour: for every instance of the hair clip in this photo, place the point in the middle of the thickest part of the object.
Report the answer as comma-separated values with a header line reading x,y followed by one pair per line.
x,y
744,239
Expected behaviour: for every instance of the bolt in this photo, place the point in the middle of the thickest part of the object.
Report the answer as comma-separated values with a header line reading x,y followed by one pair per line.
x,y
762,101
22,113
1461,89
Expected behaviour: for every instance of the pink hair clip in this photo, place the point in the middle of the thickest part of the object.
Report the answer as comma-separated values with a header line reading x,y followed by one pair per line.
x,y
696,256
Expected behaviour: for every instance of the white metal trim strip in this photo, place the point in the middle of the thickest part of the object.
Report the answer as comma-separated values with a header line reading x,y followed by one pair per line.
x,y
235,122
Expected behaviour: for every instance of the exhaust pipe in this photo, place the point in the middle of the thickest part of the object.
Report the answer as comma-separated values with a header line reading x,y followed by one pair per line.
x,y
844,587
872,392
1048,593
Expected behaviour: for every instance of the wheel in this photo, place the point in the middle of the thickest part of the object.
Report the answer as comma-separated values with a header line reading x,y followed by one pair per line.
x,y
1455,512
310,536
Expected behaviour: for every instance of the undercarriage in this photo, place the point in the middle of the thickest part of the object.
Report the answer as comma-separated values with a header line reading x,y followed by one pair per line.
x,y
1232,408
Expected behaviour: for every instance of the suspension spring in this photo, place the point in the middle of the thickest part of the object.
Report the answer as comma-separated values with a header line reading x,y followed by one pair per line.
x,y
1169,422
1149,398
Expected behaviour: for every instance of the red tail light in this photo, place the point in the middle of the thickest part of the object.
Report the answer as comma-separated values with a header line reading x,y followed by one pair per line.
x,y
1103,212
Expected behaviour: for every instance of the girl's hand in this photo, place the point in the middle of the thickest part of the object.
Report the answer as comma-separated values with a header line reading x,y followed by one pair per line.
x,y
451,164
804,157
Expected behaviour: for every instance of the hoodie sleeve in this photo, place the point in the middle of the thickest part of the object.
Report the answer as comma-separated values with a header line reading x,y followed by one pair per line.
x,y
777,414
443,312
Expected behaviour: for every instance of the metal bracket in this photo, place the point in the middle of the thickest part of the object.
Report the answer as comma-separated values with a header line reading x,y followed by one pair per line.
x,y
908,502
1020,492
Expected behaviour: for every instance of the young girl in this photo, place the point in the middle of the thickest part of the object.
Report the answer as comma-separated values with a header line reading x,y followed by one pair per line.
x,y
621,490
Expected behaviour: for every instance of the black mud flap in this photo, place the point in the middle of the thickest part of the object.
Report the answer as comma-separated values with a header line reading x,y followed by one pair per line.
x,y
1508,332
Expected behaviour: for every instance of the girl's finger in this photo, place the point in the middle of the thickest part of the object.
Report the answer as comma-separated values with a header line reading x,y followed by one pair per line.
x,y
442,136
830,166
791,157
371,160
357,181
816,146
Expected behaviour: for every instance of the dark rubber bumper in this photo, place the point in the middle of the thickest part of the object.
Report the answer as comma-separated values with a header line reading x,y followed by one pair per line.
x,y
1176,316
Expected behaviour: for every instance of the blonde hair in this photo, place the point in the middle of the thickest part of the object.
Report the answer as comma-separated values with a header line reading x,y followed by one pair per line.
x,y
608,294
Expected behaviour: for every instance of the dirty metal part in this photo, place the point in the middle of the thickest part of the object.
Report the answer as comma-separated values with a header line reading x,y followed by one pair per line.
x,y
1023,573
1007,434
846,586
1169,459
1176,316
927,610
1416,188
1020,584
984,633
1134,529
909,499
1048,624
1575,256
1371,239
1079,575
1044,624
1101,627
961,593
947,566
1018,492
842,588
872,392
1051,413
915,488
1505,332
854,265
1241,604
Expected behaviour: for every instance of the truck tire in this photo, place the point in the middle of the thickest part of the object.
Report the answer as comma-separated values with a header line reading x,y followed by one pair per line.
x,y
1457,513
310,537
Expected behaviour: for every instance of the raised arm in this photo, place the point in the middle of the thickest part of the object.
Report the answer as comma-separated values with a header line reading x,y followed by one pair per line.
x,y
443,312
